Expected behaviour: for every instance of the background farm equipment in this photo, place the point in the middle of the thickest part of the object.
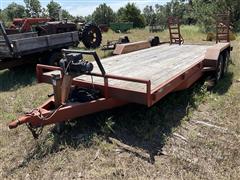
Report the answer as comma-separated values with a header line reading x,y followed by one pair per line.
x,y
174,31
89,33
25,48
124,42
111,45
40,40
22,25
103,27
156,28
121,26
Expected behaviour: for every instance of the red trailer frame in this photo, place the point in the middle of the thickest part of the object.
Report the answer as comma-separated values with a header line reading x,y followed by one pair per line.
x,y
113,96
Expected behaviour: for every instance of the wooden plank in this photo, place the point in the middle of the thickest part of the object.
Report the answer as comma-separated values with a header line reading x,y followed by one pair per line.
x,y
48,41
20,36
131,47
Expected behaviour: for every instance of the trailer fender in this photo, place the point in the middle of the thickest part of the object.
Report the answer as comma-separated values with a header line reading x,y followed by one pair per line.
x,y
212,54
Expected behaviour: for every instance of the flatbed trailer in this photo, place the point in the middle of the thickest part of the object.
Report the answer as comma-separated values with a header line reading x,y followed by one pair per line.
x,y
22,48
142,77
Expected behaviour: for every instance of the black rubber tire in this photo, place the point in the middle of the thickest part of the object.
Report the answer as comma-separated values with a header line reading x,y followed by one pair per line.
x,y
124,39
220,68
226,62
91,36
154,41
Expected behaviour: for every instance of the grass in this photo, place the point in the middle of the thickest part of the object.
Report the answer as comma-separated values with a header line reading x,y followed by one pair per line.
x,y
168,141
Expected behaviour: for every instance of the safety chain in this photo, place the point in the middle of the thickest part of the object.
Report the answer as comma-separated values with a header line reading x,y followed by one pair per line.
x,y
36,132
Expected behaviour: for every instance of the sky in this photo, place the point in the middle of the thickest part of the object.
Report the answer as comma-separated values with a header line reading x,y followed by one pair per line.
x,y
86,7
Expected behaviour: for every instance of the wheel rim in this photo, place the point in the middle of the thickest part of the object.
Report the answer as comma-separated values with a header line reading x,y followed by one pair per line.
x,y
92,36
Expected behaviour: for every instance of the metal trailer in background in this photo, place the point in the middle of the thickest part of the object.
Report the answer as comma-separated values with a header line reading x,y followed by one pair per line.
x,y
121,26
23,48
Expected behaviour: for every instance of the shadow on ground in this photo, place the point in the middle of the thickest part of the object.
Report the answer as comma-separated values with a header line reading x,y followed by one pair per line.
x,y
18,77
223,85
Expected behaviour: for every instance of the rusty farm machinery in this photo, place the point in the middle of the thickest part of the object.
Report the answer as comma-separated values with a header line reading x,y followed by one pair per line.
x,y
40,40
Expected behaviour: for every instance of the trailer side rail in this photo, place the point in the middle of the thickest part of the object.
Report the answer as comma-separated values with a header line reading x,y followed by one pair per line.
x,y
109,91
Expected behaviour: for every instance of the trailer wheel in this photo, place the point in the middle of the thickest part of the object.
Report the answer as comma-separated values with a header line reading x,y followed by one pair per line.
x,y
91,36
226,62
220,68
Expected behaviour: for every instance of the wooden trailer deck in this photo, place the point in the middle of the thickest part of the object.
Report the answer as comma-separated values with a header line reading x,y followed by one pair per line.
x,y
147,75
158,64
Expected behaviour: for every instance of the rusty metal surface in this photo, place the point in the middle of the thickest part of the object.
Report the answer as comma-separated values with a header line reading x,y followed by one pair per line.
x,y
223,27
174,31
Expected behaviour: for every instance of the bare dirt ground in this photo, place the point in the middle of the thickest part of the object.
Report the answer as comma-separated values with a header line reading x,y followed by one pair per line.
x,y
192,134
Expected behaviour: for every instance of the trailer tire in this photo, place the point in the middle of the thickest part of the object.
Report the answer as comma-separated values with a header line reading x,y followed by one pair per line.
x,y
220,68
226,62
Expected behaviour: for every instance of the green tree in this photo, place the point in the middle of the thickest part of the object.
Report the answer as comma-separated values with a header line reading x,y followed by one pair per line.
x,y
150,15
103,14
33,8
44,12
53,9
67,15
205,12
161,15
14,10
88,18
130,13
233,7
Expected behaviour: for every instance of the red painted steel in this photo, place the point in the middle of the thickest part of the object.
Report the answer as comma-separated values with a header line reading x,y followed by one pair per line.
x,y
109,91
40,69
70,111
113,96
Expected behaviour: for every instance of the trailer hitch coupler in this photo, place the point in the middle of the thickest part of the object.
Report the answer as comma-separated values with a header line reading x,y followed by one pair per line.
x,y
14,124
